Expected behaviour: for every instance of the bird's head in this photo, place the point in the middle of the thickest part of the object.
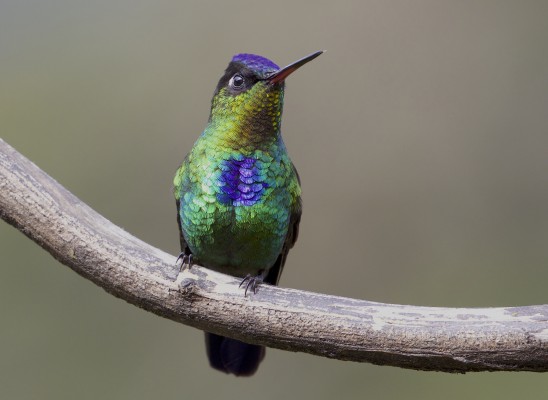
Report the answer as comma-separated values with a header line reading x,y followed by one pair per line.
x,y
250,94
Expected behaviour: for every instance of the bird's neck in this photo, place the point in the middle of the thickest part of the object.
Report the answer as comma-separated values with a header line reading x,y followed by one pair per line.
x,y
243,135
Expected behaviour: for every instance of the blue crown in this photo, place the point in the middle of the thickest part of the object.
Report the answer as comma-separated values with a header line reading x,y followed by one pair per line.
x,y
261,65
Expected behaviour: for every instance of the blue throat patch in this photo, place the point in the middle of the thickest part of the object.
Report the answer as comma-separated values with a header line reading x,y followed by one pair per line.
x,y
241,182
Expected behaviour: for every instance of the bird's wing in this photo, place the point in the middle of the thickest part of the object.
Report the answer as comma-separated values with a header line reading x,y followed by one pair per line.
x,y
177,183
184,246
275,271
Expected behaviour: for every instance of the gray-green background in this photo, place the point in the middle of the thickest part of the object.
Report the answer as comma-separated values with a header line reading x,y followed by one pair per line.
x,y
421,137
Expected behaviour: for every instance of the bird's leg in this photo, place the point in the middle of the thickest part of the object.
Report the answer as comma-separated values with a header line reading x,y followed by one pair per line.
x,y
186,259
253,282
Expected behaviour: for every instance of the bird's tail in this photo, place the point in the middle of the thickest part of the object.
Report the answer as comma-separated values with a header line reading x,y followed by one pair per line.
x,y
232,356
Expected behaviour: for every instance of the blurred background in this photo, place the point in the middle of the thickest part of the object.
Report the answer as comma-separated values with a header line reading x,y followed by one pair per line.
x,y
421,138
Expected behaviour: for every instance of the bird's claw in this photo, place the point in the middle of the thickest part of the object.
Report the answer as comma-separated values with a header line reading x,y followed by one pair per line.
x,y
251,282
186,259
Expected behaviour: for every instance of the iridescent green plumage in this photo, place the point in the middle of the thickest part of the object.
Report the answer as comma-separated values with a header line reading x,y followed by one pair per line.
x,y
238,239
238,194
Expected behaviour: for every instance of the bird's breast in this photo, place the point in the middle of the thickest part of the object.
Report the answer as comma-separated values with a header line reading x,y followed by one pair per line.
x,y
235,210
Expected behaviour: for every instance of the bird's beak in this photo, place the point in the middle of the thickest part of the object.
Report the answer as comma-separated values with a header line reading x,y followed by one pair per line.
x,y
281,74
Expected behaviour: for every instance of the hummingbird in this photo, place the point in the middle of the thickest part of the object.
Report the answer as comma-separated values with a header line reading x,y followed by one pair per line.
x,y
238,194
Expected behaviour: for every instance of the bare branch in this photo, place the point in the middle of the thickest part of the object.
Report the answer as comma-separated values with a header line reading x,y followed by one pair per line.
x,y
428,338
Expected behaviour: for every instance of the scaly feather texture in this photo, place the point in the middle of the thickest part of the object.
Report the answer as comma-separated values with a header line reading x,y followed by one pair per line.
x,y
237,192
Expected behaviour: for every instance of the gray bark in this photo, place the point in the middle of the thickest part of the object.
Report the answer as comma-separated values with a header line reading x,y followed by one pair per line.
x,y
426,338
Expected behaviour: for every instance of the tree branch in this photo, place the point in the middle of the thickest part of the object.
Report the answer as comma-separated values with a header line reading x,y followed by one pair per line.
x,y
427,338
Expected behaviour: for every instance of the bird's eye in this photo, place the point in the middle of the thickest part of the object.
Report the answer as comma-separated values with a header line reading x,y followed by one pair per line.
x,y
237,81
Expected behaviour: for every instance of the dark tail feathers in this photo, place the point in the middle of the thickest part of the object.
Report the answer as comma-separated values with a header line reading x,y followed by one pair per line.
x,y
232,356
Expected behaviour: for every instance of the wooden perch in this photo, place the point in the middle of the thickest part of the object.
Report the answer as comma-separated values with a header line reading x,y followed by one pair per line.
x,y
426,338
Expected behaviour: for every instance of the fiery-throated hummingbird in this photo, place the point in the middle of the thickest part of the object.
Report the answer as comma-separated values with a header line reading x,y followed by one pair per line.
x,y
238,194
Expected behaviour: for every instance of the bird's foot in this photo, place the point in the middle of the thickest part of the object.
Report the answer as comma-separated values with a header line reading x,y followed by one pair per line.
x,y
186,261
252,282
